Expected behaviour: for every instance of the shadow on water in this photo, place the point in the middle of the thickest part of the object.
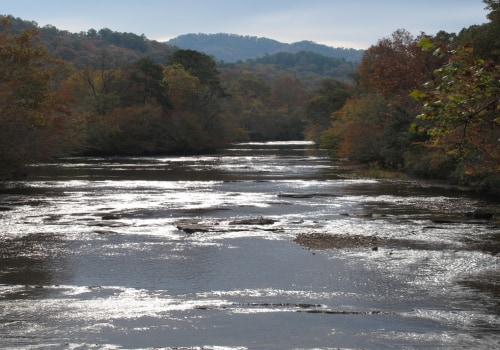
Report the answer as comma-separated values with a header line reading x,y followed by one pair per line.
x,y
29,262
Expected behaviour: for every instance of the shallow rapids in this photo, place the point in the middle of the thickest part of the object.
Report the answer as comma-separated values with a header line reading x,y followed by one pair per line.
x,y
261,246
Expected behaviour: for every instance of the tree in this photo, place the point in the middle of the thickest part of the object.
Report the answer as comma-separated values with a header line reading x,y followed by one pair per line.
x,y
288,108
206,108
376,120
183,88
100,76
395,66
288,93
328,98
201,66
32,109
249,105
494,7
461,114
143,82
484,38
357,129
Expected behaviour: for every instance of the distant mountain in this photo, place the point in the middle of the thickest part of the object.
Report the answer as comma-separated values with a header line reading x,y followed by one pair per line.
x,y
233,47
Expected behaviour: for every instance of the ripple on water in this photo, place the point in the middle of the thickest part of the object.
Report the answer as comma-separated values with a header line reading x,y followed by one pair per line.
x,y
91,253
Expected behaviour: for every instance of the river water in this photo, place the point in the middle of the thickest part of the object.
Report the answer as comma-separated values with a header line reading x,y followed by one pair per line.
x,y
93,255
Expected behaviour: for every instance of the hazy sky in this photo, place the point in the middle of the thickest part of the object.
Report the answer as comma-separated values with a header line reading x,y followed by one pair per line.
x,y
344,23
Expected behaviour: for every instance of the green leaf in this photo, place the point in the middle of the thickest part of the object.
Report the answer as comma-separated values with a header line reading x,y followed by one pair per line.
x,y
426,44
418,94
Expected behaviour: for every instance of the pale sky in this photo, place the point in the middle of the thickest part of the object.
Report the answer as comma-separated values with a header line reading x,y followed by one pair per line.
x,y
338,23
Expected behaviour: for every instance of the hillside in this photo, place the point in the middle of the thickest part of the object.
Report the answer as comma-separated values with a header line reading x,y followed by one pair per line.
x,y
275,58
233,48
80,48
311,68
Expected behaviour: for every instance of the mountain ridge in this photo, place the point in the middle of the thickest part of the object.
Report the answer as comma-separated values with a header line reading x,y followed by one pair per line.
x,y
234,47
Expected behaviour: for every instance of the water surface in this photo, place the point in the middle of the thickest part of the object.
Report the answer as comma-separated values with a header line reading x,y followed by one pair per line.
x,y
92,257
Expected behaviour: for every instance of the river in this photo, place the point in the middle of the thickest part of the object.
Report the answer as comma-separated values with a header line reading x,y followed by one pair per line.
x,y
260,246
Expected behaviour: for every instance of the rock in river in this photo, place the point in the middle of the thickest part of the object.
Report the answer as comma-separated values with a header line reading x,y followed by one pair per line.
x,y
192,227
258,221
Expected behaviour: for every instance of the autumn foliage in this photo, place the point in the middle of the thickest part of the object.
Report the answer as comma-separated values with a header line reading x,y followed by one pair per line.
x,y
426,105
34,109
461,114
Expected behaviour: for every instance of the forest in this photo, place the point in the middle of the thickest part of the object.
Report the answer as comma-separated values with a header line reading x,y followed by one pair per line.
x,y
428,106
